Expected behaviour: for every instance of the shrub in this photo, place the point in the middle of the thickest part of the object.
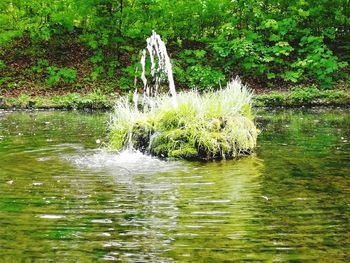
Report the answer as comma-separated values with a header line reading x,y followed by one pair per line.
x,y
64,75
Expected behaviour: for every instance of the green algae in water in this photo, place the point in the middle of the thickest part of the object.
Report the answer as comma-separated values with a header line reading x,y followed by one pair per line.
x,y
213,125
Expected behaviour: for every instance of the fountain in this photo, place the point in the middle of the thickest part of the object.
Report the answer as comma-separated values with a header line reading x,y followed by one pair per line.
x,y
187,125
160,64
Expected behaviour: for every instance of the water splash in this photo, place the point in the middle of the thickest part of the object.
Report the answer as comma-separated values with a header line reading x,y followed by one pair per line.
x,y
127,162
160,65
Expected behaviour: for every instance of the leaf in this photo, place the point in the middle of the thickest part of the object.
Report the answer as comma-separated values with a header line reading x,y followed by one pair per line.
x,y
93,44
293,76
274,37
303,13
271,75
199,53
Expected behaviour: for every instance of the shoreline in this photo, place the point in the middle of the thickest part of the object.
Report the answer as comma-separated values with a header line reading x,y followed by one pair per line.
x,y
97,101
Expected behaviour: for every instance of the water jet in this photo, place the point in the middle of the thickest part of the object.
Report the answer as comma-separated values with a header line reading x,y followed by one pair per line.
x,y
188,125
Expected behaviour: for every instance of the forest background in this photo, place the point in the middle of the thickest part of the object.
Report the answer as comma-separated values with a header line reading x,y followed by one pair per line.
x,y
54,47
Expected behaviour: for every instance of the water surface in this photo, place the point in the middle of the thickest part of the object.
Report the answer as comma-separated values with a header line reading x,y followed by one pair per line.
x,y
65,199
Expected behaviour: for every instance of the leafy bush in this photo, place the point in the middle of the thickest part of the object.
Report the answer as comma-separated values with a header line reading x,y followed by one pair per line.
x,y
41,66
271,53
57,75
317,60
192,70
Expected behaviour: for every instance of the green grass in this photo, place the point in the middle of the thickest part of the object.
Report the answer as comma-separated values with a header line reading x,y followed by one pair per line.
x,y
303,96
298,96
212,125
94,100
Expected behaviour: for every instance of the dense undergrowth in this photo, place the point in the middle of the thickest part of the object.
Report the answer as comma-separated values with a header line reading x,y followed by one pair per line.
x,y
212,125
47,46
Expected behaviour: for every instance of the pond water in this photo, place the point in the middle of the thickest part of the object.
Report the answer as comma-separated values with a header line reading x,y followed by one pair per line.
x,y
65,199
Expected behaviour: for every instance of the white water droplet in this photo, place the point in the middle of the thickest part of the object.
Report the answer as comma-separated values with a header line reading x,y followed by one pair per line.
x,y
157,52
102,221
52,216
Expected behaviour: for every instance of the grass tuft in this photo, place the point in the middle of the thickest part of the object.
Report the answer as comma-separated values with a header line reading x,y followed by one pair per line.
x,y
212,125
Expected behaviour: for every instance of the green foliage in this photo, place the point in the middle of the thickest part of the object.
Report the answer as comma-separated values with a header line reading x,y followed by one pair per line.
x,y
98,100
23,100
303,96
126,81
93,100
271,99
192,70
290,41
318,60
4,80
2,64
40,66
60,75
276,50
209,126
55,75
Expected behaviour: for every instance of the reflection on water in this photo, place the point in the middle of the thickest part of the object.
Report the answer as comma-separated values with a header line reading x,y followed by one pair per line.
x,y
64,199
